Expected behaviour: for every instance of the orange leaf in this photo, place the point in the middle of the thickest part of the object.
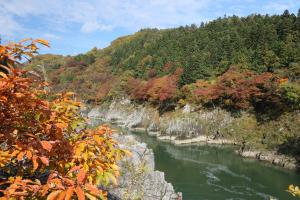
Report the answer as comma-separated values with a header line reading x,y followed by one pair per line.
x,y
81,176
3,98
53,195
75,168
69,193
46,145
61,196
61,125
68,181
43,42
29,155
93,189
14,153
35,162
20,156
19,95
80,193
44,160
70,93
25,40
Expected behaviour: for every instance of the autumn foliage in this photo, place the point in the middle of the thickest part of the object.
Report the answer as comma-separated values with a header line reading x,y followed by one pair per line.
x,y
46,151
236,88
155,90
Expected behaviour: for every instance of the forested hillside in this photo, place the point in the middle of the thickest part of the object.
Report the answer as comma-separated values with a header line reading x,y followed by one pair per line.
x,y
249,66
177,64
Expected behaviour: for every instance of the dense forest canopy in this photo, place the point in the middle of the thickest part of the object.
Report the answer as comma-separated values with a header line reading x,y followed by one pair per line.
x,y
259,42
138,64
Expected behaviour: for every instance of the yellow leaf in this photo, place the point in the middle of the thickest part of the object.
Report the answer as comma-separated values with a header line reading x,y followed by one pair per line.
x,y
112,178
90,197
97,139
100,169
3,75
128,153
86,167
114,167
85,155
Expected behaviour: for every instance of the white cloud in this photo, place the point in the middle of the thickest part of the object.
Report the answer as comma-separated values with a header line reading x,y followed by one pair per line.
x,y
92,26
105,15
50,36
8,25
102,15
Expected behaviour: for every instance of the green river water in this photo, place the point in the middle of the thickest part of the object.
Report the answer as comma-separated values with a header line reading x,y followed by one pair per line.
x,y
203,172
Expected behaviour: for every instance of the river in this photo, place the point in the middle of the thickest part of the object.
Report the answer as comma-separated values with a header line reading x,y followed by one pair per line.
x,y
203,172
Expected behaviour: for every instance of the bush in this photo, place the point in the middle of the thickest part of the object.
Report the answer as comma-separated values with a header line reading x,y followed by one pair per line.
x,y
236,89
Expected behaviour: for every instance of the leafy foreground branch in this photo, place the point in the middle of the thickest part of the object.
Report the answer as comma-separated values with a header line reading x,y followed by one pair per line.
x,y
46,151
294,190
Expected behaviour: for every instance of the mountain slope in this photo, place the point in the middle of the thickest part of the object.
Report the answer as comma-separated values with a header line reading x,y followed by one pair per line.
x,y
260,43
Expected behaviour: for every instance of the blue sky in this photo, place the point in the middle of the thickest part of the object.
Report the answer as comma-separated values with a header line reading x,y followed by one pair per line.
x,y
74,26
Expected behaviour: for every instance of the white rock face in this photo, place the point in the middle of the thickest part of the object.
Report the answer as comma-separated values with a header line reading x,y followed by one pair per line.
x,y
94,113
139,180
181,127
187,109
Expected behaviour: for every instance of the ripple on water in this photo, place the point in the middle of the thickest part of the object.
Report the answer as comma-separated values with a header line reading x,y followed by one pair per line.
x,y
215,181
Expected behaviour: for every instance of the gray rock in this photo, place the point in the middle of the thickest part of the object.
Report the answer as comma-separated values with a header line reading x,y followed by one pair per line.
x,y
138,179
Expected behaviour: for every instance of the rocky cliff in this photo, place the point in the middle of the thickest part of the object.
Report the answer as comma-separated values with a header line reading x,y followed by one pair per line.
x,y
139,179
183,126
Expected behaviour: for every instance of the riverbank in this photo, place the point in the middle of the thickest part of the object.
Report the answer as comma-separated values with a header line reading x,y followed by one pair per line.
x,y
138,177
184,127
202,171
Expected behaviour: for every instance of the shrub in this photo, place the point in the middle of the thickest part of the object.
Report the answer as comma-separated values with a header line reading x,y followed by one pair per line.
x,y
291,94
235,89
